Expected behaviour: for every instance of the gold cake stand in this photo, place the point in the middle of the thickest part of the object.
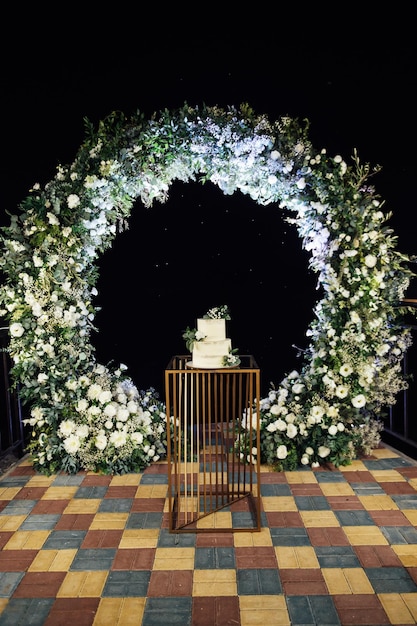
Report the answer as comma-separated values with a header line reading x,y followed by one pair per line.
x,y
206,472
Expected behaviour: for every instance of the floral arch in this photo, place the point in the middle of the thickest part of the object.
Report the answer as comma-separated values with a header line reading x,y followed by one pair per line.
x,y
84,415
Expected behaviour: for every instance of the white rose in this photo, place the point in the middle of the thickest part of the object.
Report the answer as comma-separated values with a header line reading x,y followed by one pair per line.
x,y
101,442
282,452
66,427
137,437
16,329
291,431
94,391
359,401
298,388
122,414
323,451
345,370
73,201
105,396
341,391
110,410
72,444
52,219
81,405
370,260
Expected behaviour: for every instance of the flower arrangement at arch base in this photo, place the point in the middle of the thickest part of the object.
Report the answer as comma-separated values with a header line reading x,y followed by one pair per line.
x,y
296,430
109,427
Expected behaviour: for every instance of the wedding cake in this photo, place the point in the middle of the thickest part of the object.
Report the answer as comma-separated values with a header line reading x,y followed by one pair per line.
x,y
208,344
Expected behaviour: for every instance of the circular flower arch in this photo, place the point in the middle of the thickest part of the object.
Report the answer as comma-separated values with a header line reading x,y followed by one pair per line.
x,y
84,415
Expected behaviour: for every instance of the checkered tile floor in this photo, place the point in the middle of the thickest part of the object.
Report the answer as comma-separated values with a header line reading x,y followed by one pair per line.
x,y
336,547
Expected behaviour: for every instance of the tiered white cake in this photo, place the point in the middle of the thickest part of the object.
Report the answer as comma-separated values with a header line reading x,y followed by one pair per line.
x,y
208,344
209,352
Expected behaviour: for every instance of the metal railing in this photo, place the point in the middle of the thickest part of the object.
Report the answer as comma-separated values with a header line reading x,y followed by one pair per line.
x,y
400,430
11,424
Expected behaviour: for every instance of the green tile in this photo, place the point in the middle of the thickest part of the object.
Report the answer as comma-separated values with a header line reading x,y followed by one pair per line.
x,y
93,559
128,584
256,582
161,611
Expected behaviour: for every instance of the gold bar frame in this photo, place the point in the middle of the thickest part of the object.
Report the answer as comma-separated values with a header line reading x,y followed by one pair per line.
x,y
206,474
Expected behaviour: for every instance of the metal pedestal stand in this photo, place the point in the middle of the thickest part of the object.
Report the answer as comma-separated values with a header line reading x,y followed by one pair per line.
x,y
206,474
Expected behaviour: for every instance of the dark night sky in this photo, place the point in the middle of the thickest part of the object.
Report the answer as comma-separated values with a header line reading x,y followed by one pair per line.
x,y
353,78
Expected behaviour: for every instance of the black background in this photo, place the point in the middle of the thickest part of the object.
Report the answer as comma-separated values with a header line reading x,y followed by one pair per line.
x,y
352,76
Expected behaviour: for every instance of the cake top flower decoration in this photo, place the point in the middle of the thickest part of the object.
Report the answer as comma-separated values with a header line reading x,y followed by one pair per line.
x,y
218,312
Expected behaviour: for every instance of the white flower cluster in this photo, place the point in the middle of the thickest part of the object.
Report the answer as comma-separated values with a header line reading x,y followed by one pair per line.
x,y
109,419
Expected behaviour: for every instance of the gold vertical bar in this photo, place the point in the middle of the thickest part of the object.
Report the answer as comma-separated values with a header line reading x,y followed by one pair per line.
x,y
185,444
249,405
191,447
197,441
203,428
239,413
235,417
250,400
178,445
258,447
207,435
169,443
217,405
217,408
